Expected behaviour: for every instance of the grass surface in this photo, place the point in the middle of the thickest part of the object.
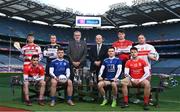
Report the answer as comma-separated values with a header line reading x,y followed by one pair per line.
x,y
169,100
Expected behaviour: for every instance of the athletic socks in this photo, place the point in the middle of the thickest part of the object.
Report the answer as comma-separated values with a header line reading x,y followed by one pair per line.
x,y
53,98
126,99
104,97
69,98
114,97
146,99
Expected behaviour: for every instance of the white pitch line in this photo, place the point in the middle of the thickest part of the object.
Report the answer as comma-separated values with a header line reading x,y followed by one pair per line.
x,y
169,101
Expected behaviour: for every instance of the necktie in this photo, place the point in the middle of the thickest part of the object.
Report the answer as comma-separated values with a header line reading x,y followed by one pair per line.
x,y
77,45
98,49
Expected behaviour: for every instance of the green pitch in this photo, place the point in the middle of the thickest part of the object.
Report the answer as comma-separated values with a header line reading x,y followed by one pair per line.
x,y
169,100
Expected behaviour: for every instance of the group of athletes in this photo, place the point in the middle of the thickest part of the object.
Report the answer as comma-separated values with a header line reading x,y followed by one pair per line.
x,y
125,64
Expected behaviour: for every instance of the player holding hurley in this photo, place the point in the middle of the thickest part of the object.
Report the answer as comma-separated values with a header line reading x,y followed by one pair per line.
x,y
29,49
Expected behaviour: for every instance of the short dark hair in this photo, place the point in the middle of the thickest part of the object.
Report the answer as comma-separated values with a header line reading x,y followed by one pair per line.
x,y
60,49
133,48
111,48
34,56
30,34
120,31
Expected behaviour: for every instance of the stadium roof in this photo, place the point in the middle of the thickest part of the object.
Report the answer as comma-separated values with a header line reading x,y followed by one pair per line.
x,y
139,13
31,10
154,11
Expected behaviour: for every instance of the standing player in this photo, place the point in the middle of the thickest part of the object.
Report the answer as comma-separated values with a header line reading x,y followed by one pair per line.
x,y
112,68
146,51
30,49
34,72
50,52
122,48
136,72
58,67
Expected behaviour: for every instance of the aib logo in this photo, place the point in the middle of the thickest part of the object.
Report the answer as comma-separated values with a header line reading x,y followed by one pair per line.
x,y
81,21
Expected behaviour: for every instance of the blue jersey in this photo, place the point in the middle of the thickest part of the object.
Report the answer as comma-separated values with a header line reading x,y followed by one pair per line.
x,y
59,66
111,66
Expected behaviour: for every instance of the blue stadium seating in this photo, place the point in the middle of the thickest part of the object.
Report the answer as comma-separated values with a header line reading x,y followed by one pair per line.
x,y
11,27
167,66
4,60
18,28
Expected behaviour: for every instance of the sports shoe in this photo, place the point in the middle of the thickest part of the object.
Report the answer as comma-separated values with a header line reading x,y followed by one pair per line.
x,y
124,105
41,102
28,103
104,102
70,102
113,103
151,102
145,107
52,104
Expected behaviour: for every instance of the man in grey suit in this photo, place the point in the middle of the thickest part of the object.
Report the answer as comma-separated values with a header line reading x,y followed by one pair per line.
x,y
77,51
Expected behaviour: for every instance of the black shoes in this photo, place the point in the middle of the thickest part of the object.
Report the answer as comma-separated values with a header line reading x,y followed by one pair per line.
x,y
28,103
146,107
41,102
124,105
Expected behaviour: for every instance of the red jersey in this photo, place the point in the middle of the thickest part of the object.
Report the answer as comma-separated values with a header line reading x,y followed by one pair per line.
x,y
136,68
123,49
29,50
32,71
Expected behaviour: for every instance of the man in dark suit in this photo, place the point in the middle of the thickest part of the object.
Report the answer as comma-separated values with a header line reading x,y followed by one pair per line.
x,y
97,54
77,51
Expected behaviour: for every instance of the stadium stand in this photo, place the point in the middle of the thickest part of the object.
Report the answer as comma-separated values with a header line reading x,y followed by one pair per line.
x,y
167,66
177,70
4,59
155,32
164,36
18,28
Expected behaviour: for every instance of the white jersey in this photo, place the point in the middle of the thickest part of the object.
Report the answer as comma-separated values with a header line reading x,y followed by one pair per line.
x,y
29,50
146,49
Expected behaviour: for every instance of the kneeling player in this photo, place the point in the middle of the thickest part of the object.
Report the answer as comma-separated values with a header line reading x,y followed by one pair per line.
x,y
136,72
58,67
34,73
112,68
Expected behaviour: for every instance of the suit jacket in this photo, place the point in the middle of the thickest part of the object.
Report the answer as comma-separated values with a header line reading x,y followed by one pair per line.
x,y
77,51
93,56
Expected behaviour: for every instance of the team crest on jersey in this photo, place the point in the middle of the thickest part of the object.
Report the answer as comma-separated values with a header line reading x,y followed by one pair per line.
x,y
111,68
135,65
131,65
64,64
